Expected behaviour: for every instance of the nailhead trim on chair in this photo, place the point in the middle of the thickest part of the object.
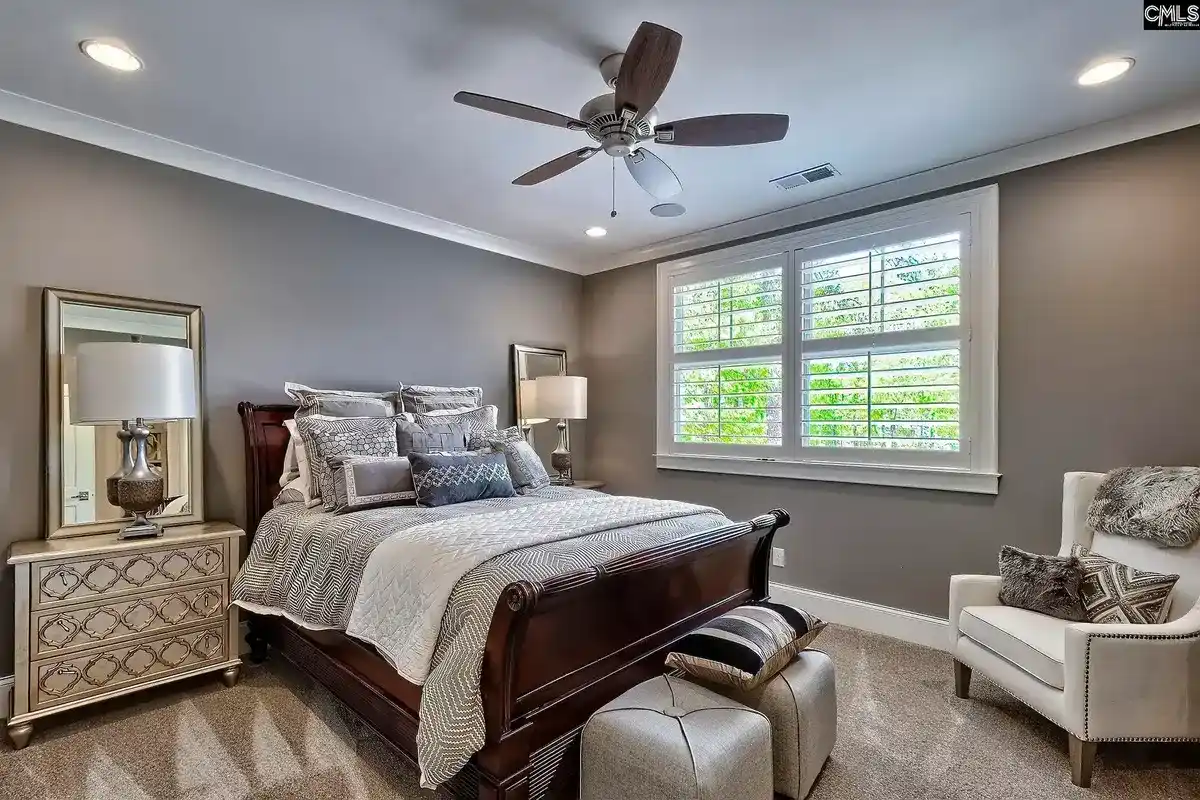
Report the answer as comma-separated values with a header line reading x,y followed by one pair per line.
x,y
1087,671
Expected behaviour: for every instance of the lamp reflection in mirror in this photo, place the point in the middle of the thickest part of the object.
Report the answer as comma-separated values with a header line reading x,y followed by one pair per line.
x,y
130,383
528,390
562,397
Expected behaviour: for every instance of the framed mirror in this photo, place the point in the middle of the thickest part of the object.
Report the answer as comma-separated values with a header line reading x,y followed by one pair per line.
x,y
78,457
530,363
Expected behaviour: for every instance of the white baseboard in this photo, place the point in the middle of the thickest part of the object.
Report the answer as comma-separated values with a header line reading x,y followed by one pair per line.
x,y
907,626
6,689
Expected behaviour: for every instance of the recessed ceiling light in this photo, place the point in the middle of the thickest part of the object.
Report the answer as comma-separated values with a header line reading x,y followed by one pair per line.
x,y
596,232
1105,71
111,53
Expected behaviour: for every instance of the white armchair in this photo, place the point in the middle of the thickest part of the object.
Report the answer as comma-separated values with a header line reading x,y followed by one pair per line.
x,y
1101,683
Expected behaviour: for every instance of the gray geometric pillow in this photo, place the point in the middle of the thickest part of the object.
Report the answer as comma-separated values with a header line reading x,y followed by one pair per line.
x,y
423,399
484,439
524,464
342,402
472,420
362,482
328,438
445,478
1114,592
1161,504
1046,584
429,438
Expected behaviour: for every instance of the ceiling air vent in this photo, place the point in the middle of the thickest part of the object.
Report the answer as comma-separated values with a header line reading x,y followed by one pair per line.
x,y
805,176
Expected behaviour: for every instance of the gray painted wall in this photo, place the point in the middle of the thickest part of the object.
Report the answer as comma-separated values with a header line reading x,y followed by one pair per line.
x,y
289,292
1099,327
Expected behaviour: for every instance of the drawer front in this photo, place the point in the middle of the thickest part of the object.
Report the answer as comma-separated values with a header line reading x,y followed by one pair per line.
x,y
54,633
69,581
57,681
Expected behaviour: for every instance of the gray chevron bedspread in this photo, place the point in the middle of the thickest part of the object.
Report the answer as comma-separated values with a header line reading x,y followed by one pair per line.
x,y
421,583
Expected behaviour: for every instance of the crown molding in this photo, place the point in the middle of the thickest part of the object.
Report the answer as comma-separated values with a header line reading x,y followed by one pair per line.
x,y
31,113
1076,142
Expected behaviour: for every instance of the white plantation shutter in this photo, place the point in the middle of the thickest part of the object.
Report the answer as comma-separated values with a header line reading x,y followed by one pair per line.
x,y
881,341
728,329
860,351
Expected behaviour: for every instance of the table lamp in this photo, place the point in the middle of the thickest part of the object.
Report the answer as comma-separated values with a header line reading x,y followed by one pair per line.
x,y
562,397
528,390
130,383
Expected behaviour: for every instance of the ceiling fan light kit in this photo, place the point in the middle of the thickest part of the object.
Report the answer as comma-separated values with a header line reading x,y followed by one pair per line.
x,y
623,121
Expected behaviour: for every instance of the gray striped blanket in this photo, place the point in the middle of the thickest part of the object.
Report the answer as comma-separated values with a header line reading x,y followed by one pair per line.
x,y
421,583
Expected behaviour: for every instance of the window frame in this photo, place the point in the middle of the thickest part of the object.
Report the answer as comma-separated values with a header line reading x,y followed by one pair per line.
x,y
974,468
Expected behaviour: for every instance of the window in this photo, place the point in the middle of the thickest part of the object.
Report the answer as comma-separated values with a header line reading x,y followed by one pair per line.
x,y
862,351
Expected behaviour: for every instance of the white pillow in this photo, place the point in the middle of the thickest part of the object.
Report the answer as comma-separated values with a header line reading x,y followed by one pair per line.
x,y
302,465
290,468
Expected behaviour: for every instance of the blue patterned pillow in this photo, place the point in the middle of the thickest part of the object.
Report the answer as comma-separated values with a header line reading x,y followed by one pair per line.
x,y
442,479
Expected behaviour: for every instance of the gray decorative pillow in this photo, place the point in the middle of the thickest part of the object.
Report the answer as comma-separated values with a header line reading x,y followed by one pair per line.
x,y
445,478
1114,592
423,399
1045,584
1161,504
362,482
472,420
433,437
524,464
328,438
484,439
293,492
342,402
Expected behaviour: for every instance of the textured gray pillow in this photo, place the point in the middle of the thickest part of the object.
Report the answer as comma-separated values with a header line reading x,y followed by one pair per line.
x,y
472,420
432,437
342,402
445,478
328,438
524,464
1045,584
1161,504
423,399
362,482
484,439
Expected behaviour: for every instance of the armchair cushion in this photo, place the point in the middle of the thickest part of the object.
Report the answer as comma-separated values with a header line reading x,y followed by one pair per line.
x,y
1034,642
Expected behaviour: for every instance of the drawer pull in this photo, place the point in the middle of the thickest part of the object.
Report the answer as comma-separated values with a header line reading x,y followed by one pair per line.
x,y
58,631
61,581
207,561
58,680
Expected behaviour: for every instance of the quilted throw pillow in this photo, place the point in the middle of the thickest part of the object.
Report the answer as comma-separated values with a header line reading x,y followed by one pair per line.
x,y
1161,504
442,479
1114,592
328,438
362,482
423,399
747,646
472,420
342,402
485,439
1045,584
429,438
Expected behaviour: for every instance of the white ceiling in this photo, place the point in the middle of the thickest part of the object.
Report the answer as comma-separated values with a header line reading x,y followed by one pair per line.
x,y
356,95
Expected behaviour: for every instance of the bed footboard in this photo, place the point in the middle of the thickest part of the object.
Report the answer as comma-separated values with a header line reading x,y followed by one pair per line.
x,y
559,649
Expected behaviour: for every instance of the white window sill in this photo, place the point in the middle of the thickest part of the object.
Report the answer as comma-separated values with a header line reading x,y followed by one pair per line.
x,y
949,480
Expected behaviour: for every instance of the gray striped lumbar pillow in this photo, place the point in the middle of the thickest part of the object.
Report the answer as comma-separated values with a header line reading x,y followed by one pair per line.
x,y
746,646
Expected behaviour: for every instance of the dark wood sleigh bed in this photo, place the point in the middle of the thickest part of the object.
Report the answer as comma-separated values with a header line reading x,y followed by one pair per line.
x,y
556,650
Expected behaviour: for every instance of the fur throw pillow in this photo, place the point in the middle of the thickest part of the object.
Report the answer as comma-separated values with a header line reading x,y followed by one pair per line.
x,y
1045,584
1161,504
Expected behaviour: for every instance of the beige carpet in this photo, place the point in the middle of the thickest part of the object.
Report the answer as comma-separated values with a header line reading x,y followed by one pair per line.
x,y
902,735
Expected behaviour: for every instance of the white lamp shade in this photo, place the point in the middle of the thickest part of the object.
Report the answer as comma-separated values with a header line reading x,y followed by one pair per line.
x,y
117,381
562,396
529,408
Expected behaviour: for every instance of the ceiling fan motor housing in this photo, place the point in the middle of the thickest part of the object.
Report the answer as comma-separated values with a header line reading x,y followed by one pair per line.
x,y
605,126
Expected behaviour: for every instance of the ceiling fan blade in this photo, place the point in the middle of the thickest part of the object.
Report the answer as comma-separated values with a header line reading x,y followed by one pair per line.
x,y
508,108
556,167
653,174
723,130
646,68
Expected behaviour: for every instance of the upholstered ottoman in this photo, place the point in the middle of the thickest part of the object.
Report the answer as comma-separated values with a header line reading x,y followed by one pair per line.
x,y
801,702
667,738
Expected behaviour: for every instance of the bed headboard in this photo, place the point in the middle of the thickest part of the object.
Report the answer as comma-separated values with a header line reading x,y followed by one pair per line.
x,y
266,442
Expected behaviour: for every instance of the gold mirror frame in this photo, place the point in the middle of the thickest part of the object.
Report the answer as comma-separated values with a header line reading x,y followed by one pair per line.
x,y
519,353
52,436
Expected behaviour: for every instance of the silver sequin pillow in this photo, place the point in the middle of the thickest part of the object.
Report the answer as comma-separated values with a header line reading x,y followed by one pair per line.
x,y
329,438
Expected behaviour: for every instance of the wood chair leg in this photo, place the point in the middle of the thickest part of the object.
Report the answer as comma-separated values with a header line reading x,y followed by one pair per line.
x,y
962,680
1083,756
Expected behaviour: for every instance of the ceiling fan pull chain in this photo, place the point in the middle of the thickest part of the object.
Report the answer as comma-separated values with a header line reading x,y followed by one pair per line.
x,y
614,189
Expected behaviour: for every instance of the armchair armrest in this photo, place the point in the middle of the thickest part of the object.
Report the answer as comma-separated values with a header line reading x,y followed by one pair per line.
x,y
970,590
1134,681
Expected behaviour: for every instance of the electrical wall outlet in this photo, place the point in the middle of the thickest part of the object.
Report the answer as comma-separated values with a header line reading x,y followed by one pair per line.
x,y
778,557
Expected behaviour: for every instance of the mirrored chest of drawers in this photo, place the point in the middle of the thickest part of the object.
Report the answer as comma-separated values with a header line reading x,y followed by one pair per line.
x,y
98,617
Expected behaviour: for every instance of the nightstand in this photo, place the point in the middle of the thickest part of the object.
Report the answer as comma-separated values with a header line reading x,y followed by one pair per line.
x,y
594,485
98,617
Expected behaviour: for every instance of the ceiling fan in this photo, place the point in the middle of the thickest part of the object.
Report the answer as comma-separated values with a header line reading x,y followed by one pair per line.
x,y
622,122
